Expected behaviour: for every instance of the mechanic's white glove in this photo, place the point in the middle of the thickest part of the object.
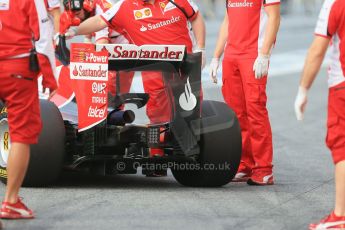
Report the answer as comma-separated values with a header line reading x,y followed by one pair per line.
x,y
214,65
71,32
301,102
56,39
203,57
261,66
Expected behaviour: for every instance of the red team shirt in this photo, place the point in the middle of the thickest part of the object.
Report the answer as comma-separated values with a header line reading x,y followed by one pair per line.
x,y
31,21
153,24
331,25
247,26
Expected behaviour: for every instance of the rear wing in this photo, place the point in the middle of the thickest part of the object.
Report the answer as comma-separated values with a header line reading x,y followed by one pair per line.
x,y
181,74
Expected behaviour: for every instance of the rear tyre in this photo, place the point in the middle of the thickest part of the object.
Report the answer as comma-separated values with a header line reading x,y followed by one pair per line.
x,y
46,157
220,148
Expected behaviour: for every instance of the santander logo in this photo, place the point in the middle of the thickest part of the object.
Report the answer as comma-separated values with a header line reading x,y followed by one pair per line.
x,y
145,52
167,22
75,71
89,72
240,4
143,28
187,99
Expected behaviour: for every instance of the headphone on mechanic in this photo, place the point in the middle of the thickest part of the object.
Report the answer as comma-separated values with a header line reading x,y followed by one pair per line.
x,y
76,5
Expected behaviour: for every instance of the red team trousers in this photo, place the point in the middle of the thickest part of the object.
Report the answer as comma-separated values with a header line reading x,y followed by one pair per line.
x,y
336,122
19,90
247,97
126,79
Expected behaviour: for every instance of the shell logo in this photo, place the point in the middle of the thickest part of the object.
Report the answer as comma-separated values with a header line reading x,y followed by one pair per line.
x,y
162,4
138,15
142,13
147,12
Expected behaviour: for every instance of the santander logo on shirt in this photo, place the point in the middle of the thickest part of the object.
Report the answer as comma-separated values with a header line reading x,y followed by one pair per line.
x,y
240,4
151,26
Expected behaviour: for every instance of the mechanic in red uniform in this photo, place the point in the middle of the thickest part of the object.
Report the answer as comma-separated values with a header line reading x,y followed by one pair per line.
x,y
330,29
248,33
104,36
152,22
18,88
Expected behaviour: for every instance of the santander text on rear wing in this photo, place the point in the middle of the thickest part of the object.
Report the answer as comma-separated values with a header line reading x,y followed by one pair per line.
x,y
125,56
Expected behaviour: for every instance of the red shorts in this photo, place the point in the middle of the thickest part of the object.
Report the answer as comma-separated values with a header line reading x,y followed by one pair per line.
x,y
336,122
19,91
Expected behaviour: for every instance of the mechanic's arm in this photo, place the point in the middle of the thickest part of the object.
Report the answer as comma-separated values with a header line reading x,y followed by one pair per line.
x,y
218,52
55,13
198,26
314,60
273,22
311,68
222,38
90,26
261,63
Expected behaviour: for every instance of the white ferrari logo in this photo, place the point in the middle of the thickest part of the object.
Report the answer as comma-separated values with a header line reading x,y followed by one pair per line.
x,y
187,99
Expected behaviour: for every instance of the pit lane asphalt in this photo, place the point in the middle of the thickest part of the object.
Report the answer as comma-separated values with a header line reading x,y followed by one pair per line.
x,y
303,172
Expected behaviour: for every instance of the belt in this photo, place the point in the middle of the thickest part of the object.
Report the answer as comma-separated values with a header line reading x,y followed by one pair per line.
x,y
16,56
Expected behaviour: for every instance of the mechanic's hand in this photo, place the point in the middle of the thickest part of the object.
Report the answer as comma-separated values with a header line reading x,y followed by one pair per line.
x,y
52,92
56,39
203,56
261,66
214,65
301,102
71,32
68,19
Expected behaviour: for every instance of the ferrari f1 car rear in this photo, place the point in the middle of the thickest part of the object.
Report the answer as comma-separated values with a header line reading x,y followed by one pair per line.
x,y
201,143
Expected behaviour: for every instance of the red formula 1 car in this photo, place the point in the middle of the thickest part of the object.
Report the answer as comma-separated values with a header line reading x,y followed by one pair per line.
x,y
201,143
